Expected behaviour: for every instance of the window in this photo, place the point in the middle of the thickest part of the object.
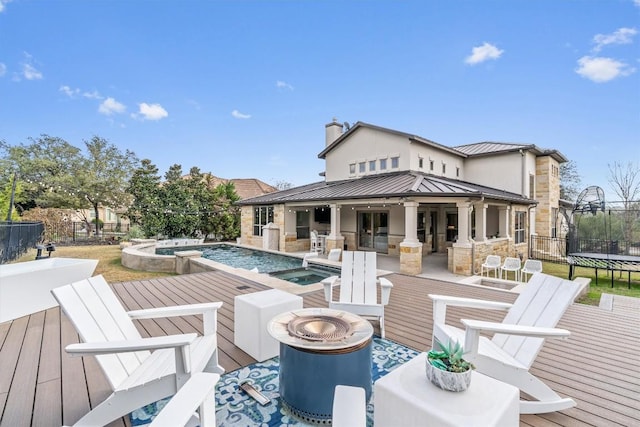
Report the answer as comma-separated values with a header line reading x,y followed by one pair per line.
x,y
420,162
352,169
262,215
395,162
444,168
372,165
302,224
520,227
383,164
362,167
431,165
422,222
452,227
457,172
554,222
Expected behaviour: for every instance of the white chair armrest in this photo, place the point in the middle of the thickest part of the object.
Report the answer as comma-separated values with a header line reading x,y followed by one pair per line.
x,y
125,346
385,289
328,284
474,327
440,303
209,311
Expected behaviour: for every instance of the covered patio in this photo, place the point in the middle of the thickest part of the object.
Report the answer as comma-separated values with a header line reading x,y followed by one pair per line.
x,y
41,385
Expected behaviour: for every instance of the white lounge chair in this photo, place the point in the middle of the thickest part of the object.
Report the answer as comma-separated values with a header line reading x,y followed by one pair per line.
x,y
358,287
511,264
198,392
531,266
517,340
137,376
492,262
334,255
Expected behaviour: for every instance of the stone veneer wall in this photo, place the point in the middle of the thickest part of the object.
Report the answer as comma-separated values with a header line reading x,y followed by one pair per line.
x,y
547,192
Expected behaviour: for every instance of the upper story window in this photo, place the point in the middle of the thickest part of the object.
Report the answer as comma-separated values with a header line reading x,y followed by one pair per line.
x,y
395,162
520,227
362,167
532,186
431,165
444,168
554,222
420,162
262,215
383,164
372,165
457,171
352,169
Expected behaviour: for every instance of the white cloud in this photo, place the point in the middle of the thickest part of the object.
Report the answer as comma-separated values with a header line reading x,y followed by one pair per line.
x,y
152,111
3,69
71,93
110,106
30,72
2,4
620,36
238,115
283,85
636,2
600,69
92,95
483,53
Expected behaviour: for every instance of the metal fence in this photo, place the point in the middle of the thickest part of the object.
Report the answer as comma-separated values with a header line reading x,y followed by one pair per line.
x,y
79,233
554,249
17,237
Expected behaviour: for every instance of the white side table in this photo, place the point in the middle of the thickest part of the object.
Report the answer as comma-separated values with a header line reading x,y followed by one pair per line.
x,y
252,315
405,397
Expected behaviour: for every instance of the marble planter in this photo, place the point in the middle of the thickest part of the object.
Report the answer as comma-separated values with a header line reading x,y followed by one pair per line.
x,y
451,381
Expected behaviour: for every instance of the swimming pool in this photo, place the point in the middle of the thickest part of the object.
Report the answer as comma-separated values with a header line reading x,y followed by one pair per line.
x,y
281,266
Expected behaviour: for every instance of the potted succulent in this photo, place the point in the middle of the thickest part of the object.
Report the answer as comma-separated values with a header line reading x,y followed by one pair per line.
x,y
447,369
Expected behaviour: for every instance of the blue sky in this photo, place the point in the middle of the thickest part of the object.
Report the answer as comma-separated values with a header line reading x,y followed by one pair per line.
x,y
244,88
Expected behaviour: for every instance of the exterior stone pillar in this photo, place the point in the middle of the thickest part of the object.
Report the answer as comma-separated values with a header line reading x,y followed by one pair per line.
x,y
503,220
182,260
411,258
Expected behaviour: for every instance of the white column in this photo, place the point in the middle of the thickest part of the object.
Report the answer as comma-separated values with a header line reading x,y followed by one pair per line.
x,y
335,221
463,222
532,222
410,222
481,221
503,220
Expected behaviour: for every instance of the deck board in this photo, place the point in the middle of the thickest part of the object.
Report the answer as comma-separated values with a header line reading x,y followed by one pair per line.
x,y
61,389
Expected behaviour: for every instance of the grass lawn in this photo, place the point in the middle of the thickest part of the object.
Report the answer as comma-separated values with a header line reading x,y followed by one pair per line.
x,y
111,268
109,263
620,283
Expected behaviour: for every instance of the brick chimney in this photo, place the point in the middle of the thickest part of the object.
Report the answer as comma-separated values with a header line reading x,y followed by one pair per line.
x,y
333,131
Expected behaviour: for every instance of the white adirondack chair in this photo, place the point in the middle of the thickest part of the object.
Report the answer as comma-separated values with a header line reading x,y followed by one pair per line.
x,y
349,407
136,375
198,392
517,340
358,287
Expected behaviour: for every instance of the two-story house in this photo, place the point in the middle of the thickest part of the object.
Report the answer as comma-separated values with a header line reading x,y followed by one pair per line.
x,y
401,194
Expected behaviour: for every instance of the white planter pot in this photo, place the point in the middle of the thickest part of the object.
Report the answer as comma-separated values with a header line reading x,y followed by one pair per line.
x,y
451,381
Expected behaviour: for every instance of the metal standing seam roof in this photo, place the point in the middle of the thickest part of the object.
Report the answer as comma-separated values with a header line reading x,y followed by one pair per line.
x,y
397,184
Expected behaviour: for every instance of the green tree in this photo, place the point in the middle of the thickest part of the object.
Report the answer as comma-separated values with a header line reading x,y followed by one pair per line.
x,y
147,207
569,181
224,223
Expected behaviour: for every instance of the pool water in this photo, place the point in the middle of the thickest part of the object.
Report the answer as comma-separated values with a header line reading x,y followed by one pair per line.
x,y
281,266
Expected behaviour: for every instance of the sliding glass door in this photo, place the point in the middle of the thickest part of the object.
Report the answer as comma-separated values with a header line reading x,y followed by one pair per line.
x,y
373,231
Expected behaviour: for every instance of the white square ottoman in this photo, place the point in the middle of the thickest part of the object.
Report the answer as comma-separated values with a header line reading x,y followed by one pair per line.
x,y
405,397
251,317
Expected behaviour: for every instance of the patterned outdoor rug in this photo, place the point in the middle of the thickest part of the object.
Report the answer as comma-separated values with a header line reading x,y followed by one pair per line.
x,y
236,408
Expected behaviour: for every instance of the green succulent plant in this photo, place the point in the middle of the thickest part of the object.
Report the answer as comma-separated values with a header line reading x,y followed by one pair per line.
x,y
449,358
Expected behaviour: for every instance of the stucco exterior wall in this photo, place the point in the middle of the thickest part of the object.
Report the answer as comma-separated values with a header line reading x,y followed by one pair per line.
x,y
492,170
439,157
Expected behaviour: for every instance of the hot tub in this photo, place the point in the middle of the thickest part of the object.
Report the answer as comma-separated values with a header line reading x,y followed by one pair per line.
x,y
319,349
25,287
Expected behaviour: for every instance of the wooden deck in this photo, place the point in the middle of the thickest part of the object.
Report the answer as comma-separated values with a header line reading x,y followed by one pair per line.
x,y
598,366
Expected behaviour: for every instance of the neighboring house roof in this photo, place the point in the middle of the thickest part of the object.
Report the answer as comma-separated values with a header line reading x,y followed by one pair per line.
x,y
468,150
396,184
245,187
